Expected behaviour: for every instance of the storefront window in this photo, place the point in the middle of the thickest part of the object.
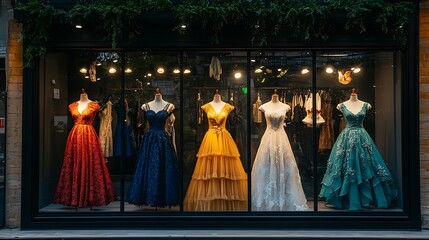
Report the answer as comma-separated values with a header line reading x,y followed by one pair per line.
x,y
252,132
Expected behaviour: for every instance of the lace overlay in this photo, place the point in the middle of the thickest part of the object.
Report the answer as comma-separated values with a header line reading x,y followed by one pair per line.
x,y
276,183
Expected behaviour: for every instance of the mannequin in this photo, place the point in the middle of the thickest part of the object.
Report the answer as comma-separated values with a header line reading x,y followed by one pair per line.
x,y
274,104
217,102
83,102
354,105
158,103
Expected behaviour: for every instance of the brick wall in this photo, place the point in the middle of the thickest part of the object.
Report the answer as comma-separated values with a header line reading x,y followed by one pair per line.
x,y
14,63
424,110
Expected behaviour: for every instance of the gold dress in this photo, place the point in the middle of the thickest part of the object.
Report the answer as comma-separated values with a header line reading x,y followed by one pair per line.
x,y
219,182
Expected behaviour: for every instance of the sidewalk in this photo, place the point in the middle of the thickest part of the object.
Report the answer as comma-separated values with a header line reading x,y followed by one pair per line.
x,y
209,234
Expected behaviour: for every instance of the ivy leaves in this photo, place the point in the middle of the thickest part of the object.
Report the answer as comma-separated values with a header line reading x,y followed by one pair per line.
x,y
298,20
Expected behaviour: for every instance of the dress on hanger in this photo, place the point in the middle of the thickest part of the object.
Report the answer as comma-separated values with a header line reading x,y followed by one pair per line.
x,y
156,177
356,175
105,130
219,182
276,183
130,141
326,138
84,180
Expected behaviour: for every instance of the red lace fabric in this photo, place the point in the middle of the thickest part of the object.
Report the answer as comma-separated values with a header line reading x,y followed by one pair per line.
x,y
84,179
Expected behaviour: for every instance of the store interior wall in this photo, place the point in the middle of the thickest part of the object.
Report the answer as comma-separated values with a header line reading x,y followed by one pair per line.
x,y
54,137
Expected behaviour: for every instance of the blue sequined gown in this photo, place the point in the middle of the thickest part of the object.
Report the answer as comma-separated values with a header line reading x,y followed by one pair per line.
x,y
356,175
156,177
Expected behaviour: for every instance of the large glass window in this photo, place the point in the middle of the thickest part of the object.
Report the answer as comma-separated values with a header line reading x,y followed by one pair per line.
x,y
178,132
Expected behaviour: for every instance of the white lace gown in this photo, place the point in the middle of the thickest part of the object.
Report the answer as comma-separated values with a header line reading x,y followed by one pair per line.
x,y
276,183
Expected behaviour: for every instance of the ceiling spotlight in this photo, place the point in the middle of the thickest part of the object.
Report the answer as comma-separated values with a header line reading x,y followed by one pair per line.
x,y
186,71
99,64
148,83
252,60
86,76
116,60
356,70
112,70
160,70
78,26
329,70
258,70
128,70
305,71
176,70
83,70
279,69
237,75
98,79
149,74
183,26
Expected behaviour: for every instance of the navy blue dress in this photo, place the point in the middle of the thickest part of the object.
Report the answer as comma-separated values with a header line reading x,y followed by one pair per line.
x,y
156,177
129,141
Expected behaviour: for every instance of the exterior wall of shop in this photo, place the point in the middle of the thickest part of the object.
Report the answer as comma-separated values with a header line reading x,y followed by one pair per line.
x,y
14,63
424,110
14,120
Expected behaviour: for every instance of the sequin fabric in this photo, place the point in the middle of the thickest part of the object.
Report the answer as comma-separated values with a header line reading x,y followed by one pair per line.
x,y
356,174
156,178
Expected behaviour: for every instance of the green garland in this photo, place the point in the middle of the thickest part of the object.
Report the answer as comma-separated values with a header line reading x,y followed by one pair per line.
x,y
303,20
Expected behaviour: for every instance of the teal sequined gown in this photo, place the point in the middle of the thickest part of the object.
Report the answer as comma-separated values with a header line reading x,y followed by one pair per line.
x,y
356,175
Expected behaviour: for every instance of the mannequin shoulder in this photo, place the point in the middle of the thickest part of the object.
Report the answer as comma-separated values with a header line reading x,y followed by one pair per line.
x,y
368,105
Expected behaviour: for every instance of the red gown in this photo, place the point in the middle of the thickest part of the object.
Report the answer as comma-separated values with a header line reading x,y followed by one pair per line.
x,y
84,179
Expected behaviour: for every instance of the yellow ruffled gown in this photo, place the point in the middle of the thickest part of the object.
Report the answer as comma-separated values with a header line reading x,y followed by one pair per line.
x,y
219,182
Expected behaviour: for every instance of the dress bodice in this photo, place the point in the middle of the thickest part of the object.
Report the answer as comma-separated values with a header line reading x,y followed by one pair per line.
x,y
158,119
354,120
275,117
88,114
216,120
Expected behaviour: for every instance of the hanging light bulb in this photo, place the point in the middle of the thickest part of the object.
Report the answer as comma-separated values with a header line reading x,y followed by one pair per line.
x,y
112,70
356,70
237,75
149,74
99,64
160,70
305,71
86,76
186,71
83,70
128,70
176,71
329,69
116,60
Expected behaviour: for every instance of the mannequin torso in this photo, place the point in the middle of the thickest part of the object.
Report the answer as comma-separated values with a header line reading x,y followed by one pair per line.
x,y
217,103
83,103
354,105
158,104
274,104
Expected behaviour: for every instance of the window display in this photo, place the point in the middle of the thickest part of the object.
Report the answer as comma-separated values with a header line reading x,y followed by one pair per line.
x,y
221,132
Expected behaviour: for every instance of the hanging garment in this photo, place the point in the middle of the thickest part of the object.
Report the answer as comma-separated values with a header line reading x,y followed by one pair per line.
x,y
356,175
219,182
156,177
84,179
309,108
105,131
257,115
326,138
215,69
276,183
130,141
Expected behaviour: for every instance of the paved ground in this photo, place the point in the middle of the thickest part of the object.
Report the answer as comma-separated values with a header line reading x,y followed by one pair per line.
x,y
209,234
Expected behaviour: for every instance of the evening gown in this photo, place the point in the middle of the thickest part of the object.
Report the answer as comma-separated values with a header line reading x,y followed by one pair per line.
x,y
276,183
129,141
219,182
156,179
356,175
84,179
105,131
